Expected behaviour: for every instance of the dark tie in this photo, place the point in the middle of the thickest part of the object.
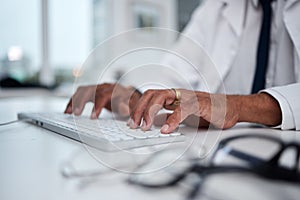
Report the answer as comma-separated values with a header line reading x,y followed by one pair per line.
x,y
262,55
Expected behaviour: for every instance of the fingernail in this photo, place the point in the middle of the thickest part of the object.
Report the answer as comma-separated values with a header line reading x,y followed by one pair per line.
x,y
129,122
144,125
76,111
93,116
164,128
124,110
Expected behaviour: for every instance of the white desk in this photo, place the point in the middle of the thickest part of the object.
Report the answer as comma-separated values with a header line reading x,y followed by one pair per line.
x,y
31,160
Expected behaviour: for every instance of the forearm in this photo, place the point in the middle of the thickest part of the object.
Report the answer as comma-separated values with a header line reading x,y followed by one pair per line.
x,y
259,108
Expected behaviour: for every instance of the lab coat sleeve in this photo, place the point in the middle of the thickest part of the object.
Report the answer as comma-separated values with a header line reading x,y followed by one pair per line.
x,y
288,98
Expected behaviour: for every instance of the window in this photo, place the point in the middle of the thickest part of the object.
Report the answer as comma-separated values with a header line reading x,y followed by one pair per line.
x,y
73,29
70,35
20,38
69,32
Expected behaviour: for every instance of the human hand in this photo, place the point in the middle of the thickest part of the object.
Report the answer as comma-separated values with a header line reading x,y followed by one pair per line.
x,y
216,109
113,97
202,109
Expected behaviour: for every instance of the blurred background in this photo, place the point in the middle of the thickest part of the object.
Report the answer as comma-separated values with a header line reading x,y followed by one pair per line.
x,y
43,43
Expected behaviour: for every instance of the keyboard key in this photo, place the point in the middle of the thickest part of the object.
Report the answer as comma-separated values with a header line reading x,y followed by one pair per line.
x,y
101,133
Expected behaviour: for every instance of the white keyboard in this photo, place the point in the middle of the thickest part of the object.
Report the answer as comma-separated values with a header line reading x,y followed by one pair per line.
x,y
104,134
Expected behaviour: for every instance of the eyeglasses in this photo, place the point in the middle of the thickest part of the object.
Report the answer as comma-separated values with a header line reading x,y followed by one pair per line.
x,y
265,156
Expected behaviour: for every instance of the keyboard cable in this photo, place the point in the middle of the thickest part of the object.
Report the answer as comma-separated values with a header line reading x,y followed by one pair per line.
x,y
12,122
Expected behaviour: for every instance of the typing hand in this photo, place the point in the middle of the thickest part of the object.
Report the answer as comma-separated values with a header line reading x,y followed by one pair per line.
x,y
114,97
195,108
200,108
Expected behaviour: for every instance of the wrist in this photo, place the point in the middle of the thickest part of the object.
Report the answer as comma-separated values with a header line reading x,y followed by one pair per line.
x,y
134,91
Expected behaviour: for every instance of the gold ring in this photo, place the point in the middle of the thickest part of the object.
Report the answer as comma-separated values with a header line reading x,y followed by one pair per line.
x,y
177,99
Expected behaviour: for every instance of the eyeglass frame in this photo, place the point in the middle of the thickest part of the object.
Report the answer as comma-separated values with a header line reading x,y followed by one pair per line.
x,y
269,169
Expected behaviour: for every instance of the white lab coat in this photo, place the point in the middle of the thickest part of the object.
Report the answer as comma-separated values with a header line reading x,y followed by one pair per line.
x,y
218,27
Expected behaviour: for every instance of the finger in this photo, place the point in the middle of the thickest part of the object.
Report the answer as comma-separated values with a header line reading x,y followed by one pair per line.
x,y
151,110
133,99
78,102
109,91
68,109
136,115
79,99
100,101
118,105
123,109
172,122
102,98
119,100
